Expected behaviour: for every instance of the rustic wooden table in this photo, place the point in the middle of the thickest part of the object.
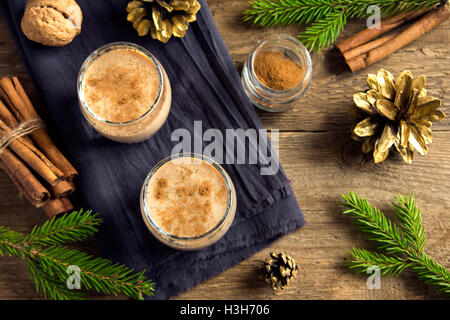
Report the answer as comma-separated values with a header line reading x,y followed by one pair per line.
x,y
311,143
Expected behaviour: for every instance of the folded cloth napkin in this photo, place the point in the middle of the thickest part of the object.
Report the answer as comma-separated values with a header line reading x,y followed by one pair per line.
x,y
206,87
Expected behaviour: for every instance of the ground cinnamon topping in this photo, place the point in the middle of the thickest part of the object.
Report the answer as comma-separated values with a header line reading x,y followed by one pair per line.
x,y
162,183
188,199
159,192
204,189
115,86
276,71
119,85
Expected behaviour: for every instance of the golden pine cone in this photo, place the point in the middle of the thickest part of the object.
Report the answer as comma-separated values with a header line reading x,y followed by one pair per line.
x,y
279,270
396,112
162,18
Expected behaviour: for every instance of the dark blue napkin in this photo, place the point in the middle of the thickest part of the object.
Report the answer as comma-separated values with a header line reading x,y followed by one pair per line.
x,y
206,87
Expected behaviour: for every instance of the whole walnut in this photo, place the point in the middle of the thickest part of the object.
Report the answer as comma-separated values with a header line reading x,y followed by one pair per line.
x,y
52,22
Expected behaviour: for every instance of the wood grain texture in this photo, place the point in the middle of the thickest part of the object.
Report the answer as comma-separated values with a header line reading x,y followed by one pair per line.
x,y
320,160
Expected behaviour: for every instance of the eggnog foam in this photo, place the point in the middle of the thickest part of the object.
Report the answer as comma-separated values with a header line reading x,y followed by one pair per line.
x,y
187,199
121,85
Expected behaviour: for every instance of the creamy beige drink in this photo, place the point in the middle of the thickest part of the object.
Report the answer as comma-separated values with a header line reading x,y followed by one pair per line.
x,y
124,92
188,203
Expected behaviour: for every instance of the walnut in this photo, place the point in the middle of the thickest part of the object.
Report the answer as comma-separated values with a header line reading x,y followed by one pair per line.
x,y
52,22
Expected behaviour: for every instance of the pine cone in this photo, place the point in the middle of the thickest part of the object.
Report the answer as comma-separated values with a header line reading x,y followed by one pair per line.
x,y
396,113
168,18
279,270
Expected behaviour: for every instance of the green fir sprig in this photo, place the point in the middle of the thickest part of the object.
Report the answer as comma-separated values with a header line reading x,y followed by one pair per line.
x,y
402,244
327,18
48,260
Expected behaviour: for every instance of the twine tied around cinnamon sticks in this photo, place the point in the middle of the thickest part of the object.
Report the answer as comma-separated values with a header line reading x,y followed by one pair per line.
x,y
361,51
28,155
23,129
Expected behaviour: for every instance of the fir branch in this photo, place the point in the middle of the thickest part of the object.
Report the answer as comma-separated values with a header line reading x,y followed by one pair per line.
x,y
97,274
371,221
404,245
48,260
328,17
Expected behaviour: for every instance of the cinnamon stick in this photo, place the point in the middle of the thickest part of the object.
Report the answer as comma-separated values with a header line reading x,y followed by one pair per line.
x,y
63,189
23,95
58,206
386,25
12,98
18,122
7,117
426,23
30,188
54,207
17,99
355,52
68,206
33,157
43,139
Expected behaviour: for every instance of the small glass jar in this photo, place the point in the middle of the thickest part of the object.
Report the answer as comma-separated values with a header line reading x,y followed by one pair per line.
x,y
183,242
138,129
269,99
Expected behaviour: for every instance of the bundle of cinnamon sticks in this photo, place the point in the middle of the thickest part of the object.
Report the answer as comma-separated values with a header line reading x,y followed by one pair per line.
x,y
44,177
361,50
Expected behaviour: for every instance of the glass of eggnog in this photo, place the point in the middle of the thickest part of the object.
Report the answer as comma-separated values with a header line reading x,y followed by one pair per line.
x,y
124,92
188,201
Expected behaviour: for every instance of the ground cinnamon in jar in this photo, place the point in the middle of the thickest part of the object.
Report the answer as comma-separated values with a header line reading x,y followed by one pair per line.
x,y
276,71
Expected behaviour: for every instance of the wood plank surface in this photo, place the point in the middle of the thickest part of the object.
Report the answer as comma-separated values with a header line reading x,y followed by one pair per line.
x,y
322,163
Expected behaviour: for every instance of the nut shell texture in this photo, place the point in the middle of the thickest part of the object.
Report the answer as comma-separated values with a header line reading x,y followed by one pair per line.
x,y
52,22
